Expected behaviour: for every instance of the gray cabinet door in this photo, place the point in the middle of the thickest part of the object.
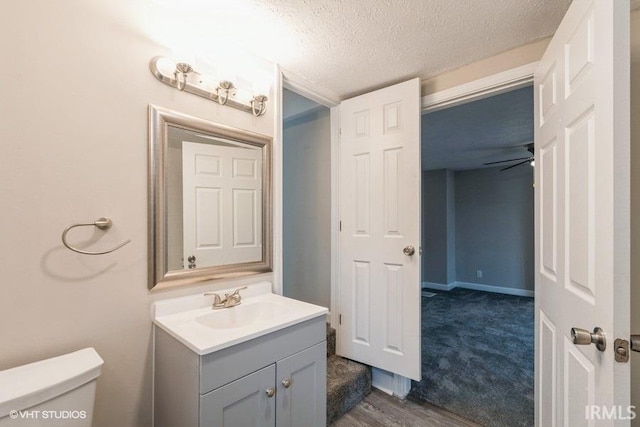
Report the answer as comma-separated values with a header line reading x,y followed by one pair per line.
x,y
242,403
302,388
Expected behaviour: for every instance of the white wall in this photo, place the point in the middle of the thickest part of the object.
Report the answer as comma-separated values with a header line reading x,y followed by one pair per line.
x,y
75,86
306,213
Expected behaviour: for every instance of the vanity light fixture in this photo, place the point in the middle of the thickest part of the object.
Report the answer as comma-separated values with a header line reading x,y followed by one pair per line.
x,y
182,76
182,71
224,86
259,105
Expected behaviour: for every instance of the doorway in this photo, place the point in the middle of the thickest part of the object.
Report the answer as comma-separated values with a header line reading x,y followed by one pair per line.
x,y
528,76
478,260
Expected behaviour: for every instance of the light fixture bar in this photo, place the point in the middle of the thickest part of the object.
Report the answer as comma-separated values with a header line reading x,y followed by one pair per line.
x,y
180,79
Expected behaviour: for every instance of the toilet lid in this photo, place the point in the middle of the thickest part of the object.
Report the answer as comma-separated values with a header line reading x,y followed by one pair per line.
x,y
28,385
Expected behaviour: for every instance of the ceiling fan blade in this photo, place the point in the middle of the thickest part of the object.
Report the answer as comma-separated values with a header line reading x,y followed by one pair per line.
x,y
517,164
505,161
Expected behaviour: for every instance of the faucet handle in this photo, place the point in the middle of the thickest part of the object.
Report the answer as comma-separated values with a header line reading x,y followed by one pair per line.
x,y
237,291
234,298
216,297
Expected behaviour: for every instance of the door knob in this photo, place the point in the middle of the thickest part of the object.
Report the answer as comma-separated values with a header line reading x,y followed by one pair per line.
x,y
286,383
584,337
270,392
409,250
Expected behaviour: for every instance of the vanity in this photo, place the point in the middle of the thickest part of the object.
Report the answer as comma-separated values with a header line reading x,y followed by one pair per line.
x,y
245,357
259,363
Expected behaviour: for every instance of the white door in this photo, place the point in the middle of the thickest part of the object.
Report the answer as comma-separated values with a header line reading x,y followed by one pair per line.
x,y
582,215
222,193
380,217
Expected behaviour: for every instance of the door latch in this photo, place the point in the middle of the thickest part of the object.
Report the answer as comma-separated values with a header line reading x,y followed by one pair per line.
x,y
621,348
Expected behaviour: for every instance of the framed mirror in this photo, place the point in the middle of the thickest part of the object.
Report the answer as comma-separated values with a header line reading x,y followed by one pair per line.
x,y
209,200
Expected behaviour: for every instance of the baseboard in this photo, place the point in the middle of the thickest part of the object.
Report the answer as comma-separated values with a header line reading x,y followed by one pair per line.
x,y
390,383
495,289
438,286
478,287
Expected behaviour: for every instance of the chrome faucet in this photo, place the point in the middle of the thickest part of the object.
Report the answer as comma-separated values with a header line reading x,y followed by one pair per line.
x,y
229,300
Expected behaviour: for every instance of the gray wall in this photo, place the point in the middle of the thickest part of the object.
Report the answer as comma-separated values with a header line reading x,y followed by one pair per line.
x,y
438,227
307,208
451,227
494,227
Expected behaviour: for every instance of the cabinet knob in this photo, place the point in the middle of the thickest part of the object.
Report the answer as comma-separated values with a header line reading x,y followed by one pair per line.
x,y
286,383
270,392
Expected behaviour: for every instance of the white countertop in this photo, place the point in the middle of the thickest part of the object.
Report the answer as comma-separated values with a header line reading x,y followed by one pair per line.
x,y
192,321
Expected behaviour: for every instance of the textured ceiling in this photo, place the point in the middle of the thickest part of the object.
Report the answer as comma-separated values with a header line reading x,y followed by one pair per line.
x,y
352,46
348,47
491,129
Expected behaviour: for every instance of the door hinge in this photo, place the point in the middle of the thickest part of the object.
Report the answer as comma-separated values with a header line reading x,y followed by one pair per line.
x,y
339,319
339,131
340,226
621,349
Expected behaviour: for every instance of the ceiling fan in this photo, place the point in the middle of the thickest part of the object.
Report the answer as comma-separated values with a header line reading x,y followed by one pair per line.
x,y
520,160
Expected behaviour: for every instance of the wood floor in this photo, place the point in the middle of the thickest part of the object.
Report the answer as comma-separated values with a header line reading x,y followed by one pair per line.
x,y
379,409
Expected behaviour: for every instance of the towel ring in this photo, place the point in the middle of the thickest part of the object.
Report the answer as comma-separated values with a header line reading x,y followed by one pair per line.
x,y
103,223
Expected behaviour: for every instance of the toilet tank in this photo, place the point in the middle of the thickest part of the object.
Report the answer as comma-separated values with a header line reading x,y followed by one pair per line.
x,y
56,392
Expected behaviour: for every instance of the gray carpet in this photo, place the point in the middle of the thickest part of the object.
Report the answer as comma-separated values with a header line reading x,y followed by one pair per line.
x,y
478,356
348,382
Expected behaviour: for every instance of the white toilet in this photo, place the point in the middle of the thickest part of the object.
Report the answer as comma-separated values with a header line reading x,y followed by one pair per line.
x,y
56,392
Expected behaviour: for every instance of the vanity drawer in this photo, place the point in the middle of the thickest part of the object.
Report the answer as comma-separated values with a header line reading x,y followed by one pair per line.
x,y
223,366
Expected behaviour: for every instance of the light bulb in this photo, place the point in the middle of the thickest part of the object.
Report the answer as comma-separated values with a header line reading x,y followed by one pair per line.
x,y
261,83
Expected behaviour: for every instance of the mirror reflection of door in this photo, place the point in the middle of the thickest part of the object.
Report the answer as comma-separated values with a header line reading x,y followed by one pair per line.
x,y
222,193
210,200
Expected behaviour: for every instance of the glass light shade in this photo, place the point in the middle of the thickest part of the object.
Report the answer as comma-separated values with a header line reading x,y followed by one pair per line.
x,y
261,83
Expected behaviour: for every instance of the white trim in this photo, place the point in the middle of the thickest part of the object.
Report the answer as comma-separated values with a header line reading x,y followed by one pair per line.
x,y
277,162
478,287
495,84
335,217
390,383
438,286
401,386
310,90
495,289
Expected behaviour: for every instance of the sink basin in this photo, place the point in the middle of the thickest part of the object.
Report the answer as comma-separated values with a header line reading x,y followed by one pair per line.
x,y
192,321
241,315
